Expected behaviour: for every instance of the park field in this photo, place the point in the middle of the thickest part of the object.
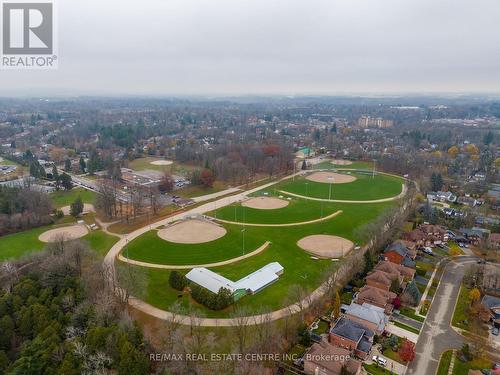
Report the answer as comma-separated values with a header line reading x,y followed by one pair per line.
x,y
300,268
364,188
17,245
63,198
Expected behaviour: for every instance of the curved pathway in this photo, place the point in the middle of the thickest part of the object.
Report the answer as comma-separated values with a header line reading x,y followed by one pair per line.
x,y
183,267
279,225
403,192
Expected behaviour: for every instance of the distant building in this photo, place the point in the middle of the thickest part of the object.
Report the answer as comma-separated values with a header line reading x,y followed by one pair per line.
x,y
367,122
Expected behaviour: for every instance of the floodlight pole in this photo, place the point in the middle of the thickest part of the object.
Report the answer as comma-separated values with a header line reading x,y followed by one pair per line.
x,y
330,189
373,174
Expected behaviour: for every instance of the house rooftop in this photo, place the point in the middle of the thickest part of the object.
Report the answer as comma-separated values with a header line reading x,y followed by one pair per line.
x,y
351,330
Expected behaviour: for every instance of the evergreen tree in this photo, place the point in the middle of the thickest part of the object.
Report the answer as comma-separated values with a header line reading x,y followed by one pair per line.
x,y
83,165
67,165
76,208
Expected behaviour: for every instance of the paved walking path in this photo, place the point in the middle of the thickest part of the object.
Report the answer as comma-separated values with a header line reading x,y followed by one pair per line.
x,y
403,192
207,197
183,267
280,225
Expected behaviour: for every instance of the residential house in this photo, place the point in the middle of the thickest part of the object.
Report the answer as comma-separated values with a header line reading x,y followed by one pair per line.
x,y
377,297
401,252
379,279
467,201
494,241
353,336
405,273
493,305
442,196
491,278
427,235
326,359
372,317
474,235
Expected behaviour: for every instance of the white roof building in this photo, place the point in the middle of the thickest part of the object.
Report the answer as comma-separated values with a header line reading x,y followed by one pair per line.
x,y
252,283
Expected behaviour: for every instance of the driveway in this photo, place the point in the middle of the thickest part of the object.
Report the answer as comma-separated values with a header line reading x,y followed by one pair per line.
x,y
437,334
405,320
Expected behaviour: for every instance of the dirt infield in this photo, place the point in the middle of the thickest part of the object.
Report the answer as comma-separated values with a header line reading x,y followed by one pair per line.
x,y
341,162
265,203
323,177
67,233
192,231
162,162
326,246
87,207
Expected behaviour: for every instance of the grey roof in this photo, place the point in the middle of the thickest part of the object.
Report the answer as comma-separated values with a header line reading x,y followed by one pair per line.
x,y
397,247
364,345
408,262
351,330
370,313
491,301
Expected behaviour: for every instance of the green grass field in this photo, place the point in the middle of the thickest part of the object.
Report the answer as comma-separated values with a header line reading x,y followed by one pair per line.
x,y
63,198
300,269
364,188
298,210
17,245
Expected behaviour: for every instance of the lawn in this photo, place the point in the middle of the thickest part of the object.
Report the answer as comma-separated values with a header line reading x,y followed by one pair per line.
x,y
364,188
444,363
300,269
462,368
376,370
63,198
196,191
460,313
19,244
100,241
408,328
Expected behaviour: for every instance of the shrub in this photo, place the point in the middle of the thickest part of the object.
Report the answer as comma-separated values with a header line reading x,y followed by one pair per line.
x,y
213,301
177,280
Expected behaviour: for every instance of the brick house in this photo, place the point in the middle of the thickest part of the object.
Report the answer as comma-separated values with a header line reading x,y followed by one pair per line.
x,y
427,235
401,252
326,359
379,279
352,336
406,273
377,297
493,305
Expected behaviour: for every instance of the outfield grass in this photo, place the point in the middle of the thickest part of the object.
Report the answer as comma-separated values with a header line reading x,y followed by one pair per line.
x,y
63,198
23,243
298,210
196,191
299,268
364,188
100,241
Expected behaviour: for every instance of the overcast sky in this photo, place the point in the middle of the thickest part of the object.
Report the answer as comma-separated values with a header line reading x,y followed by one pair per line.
x,y
184,47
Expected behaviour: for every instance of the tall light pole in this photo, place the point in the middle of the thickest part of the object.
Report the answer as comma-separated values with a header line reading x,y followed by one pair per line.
x,y
373,174
330,188
307,190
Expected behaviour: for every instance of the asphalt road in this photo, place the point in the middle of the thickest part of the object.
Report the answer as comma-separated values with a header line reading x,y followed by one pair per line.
x,y
437,335
405,320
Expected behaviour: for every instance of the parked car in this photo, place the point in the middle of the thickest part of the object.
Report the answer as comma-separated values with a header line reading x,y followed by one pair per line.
x,y
381,361
428,250
494,331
